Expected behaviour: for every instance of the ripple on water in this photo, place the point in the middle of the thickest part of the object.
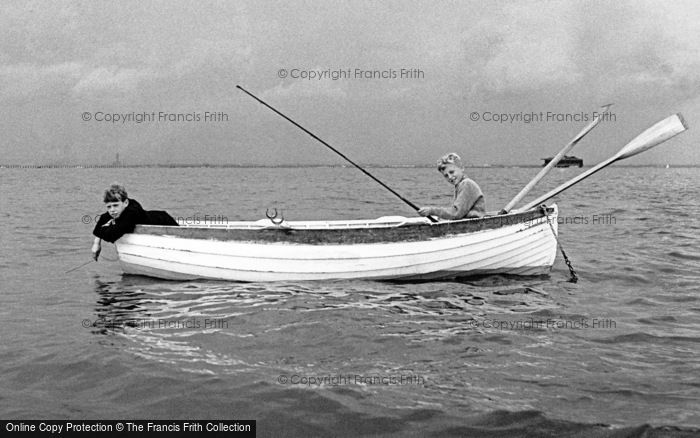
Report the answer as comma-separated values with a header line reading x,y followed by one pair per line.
x,y
646,338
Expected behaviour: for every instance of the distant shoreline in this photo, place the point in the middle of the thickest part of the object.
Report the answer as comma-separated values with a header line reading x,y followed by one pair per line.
x,y
293,166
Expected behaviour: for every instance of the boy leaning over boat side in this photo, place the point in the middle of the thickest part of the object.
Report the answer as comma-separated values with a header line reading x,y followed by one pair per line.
x,y
122,216
468,200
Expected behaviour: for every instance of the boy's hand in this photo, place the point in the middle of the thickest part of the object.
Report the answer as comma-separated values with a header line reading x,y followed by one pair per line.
x,y
96,249
425,211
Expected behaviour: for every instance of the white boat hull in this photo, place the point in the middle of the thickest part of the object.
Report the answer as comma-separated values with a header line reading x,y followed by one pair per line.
x,y
521,248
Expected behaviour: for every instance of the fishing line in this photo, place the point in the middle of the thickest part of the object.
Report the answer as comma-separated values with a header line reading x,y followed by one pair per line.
x,y
90,261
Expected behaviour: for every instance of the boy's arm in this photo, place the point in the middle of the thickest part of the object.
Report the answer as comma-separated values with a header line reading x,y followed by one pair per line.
x,y
467,196
96,248
110,230
449,213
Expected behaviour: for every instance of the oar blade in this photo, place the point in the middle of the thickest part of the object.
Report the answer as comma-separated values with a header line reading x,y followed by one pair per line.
x,y
659,133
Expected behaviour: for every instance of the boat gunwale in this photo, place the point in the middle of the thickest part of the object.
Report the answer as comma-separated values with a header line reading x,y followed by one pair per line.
x,y
402,232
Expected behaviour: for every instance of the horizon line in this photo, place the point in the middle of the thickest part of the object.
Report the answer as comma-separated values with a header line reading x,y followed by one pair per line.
x,y
254,165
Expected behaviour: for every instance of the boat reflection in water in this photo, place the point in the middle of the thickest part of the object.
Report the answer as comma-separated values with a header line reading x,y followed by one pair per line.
x,y
118,308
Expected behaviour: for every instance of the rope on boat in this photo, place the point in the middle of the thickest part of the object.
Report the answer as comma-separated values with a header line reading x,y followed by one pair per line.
x,y
574,277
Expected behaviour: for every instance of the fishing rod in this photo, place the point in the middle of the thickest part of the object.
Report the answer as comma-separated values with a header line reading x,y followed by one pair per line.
x,y
315,137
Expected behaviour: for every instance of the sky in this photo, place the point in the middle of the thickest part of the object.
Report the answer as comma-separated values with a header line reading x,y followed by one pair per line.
x,y
75,77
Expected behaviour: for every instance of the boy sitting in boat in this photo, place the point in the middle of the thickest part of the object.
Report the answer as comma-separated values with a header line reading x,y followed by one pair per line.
x,y
122,216
468,200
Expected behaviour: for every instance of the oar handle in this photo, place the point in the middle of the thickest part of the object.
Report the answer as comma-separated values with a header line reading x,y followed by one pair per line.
x,y
315,137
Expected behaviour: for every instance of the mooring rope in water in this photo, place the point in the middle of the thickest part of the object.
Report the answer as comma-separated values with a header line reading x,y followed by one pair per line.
x,y
90,261
574,277
78,267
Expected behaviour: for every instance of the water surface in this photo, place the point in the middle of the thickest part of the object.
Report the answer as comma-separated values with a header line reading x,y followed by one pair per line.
x,y
495,355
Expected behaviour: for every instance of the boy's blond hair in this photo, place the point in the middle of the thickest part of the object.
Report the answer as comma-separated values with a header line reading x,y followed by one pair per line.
x,y
451,158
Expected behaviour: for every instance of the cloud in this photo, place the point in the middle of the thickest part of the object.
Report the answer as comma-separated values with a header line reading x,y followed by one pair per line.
x,y
112,79
63,58
308,88
627,51
653,52
29,80
25,79
522,47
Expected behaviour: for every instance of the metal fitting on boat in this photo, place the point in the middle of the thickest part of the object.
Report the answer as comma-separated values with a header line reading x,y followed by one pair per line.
x,y
273,217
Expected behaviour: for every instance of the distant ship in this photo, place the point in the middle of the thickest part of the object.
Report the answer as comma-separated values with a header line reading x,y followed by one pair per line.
x,y
567,161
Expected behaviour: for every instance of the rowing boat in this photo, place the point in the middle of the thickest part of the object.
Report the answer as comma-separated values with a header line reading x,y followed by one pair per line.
x,y
388,248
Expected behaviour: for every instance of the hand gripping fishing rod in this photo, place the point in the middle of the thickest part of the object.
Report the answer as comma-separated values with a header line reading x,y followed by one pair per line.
x,y
411,204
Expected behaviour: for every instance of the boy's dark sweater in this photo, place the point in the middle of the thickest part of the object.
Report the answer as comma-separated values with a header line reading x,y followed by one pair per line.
x,y
132,215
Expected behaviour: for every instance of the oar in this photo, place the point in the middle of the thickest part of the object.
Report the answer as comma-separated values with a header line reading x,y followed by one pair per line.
x,y
411,204
657,134
555,160
78,267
